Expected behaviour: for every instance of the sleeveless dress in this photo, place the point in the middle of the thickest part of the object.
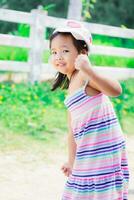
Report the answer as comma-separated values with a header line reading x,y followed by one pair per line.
x,y
100,170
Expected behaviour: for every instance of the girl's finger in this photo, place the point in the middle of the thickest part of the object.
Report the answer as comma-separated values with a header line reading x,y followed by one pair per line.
x,y
63,168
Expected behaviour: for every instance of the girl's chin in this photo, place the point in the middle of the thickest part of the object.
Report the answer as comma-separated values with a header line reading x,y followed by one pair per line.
x,y
63,72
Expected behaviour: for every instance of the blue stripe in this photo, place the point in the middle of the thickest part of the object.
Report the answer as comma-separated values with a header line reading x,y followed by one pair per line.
x,y
102,130
100,125
76,100
94,126
107,147
99,174
99,152
98,186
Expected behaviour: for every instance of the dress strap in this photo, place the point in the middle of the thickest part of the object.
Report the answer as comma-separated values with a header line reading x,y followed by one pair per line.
x,y
86,83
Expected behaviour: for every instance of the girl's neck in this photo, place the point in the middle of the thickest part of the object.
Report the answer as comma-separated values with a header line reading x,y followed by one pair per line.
x,y
71,76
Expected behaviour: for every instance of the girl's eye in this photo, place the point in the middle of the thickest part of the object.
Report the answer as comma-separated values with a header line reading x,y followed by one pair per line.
x,y
53,52
65,51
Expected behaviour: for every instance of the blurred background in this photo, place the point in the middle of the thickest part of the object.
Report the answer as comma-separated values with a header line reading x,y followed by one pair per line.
x,y
33,127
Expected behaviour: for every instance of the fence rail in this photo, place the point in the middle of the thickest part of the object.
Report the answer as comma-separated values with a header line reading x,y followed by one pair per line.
x,y
96,28
38,21
18,41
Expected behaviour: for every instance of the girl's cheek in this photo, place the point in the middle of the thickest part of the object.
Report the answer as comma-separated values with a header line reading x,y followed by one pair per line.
x,y
51,60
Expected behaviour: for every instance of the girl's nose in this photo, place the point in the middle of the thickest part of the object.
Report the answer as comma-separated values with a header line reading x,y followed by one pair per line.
x,y
59,56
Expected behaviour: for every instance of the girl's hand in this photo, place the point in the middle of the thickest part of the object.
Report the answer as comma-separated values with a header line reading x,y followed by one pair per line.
x,y
82,62
66,169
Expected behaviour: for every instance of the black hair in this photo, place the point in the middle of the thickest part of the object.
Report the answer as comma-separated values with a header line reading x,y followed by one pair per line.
x,y
62,80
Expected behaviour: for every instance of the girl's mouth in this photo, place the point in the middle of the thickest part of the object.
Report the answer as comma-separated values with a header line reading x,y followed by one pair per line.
x,y
61,64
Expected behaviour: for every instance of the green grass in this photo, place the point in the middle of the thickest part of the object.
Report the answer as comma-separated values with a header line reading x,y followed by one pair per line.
x,y
44,150
23,107
113,41
128,124
13,53
113,61
52,139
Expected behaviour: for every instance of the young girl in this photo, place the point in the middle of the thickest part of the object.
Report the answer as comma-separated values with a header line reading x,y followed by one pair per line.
x,y
97,165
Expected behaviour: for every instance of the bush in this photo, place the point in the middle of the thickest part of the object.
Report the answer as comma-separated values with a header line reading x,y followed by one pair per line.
x,y
124,105
35,110
23,106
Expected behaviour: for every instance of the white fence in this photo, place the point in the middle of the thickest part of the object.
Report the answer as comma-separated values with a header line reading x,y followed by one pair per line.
x,y
38,21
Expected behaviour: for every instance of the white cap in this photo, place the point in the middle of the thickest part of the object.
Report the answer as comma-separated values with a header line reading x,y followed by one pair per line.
x,y
78,31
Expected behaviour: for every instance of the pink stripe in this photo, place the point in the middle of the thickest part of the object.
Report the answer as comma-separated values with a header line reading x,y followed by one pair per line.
x,y
92,98
92,119
96,114
99,138
100,117
92,169
84,105
104,141
104,160
105,196
101,177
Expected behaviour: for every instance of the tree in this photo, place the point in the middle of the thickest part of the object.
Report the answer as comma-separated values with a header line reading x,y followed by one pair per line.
x,y
60,9
113,12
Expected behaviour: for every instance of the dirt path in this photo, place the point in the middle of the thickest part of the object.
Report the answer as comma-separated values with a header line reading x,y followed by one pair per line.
x,y
25,176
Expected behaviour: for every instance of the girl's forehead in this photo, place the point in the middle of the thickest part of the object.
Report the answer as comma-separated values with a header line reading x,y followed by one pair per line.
x,y
62,40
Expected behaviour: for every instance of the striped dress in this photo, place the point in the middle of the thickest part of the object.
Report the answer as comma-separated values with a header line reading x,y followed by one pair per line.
x,y
100,170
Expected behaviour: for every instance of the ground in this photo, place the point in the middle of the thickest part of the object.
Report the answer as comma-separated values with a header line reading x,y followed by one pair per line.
x,y
26,175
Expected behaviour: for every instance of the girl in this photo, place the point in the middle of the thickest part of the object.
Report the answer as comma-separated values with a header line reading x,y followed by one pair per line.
x,y
97,165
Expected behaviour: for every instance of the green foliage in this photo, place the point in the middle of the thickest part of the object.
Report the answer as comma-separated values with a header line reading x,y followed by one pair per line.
x,y
116,12
35,110
103,60
124,103
23,30
49,7
13,53
87,5
56,8
113,61
23,107
113,41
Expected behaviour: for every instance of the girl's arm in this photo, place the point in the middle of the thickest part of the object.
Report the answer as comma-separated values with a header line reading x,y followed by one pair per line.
x,y
67,167
71,143
98,81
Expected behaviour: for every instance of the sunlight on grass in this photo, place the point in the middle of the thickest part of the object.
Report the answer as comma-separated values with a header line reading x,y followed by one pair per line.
x,y
13,53
55,144
128,124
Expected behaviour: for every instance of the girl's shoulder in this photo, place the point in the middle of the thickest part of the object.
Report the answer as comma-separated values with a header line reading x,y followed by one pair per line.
x,y
89,87
80,81
77,82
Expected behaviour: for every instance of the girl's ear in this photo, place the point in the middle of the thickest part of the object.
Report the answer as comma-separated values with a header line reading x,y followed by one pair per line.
x,y
83,51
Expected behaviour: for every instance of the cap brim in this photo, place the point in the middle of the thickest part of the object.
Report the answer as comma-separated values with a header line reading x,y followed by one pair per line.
x,y
75,34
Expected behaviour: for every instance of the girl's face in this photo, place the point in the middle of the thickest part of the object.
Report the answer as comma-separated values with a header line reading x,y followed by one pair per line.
x,y
63,54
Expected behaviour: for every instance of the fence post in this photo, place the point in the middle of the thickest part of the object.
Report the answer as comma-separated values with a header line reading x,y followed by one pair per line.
x,y
37,41
75,10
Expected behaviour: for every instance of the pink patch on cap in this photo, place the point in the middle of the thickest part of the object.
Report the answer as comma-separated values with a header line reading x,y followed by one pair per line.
x,y
90,40
73,24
